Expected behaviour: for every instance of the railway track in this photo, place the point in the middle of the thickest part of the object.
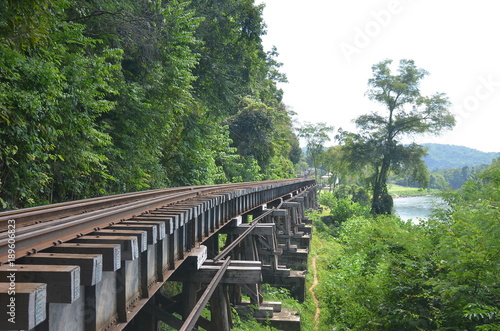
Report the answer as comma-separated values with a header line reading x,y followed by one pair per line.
x,y
41,227
103,260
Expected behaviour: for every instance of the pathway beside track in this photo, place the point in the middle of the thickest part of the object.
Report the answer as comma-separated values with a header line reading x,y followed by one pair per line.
x,y
313,294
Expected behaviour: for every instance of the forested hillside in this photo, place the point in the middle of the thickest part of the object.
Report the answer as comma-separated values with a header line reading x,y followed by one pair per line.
x,y
102,97
450,156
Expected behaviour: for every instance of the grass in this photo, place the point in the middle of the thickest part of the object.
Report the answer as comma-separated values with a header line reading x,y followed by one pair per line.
x,y
323,247
397,190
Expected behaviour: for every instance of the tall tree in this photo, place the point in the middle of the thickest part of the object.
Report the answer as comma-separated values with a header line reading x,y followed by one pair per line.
x,y
336,164
230,55
53,86
315,135
100,97
155,105
407,112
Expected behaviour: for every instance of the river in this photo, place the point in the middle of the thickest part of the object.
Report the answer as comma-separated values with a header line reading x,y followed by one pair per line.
x,y
416,207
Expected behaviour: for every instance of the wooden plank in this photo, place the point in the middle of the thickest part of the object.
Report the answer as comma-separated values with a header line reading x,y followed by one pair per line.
x,y
235,242
144,266
265,229
128,244
236,221
142,236
90,265
178,218
279,213
151,229
191,210
236,263
195,258
289,205
169,221
63,282
111,253
161,227
161,258
220,308
188,211
91,308
189,297
172,239
233,275
24,303
181,242
121,293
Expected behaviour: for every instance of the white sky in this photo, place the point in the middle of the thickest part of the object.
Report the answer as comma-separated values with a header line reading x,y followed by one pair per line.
x,y
329,46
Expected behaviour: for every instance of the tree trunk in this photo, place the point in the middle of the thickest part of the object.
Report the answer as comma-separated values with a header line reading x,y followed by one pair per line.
x,y
382,201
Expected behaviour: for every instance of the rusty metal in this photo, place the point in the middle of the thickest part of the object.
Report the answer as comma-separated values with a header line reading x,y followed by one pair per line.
x,y
78,221
40,214
191,320
44,235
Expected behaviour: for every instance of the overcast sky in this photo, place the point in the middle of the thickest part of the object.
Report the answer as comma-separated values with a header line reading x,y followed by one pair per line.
x,y
329,46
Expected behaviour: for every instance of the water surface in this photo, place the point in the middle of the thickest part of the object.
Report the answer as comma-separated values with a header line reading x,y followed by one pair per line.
x,y
416,207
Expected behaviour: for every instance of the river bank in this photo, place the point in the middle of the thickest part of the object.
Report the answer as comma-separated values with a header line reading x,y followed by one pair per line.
x,y
395,196
397,191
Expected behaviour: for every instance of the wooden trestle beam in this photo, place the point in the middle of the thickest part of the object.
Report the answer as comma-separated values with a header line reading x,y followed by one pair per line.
x,y
190,321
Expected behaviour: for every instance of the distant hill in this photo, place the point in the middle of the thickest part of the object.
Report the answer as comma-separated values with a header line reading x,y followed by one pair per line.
x,y
451,156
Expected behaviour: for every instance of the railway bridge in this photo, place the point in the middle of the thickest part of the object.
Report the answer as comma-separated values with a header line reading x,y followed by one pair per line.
x,y
142,260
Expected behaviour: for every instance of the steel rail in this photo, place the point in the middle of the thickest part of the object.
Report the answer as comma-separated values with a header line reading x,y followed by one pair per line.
x,y
35,215
36,237
191,320
31,239
39,214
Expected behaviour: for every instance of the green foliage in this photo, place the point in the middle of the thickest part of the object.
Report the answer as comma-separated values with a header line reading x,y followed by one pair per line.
x,y
378,144
336,164
52,147
454,178
469,234
345,209
374,279
252,130
315,135
450,156
396,190
102,97
282,295
352,192
342,208
263,134
25,24
442,274
248,323
232,61
483,314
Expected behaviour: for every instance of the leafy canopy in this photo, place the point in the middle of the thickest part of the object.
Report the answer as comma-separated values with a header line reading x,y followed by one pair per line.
x,y
379,142
100,97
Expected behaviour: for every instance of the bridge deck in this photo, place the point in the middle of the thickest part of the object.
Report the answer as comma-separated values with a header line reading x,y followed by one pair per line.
x,y
98,269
